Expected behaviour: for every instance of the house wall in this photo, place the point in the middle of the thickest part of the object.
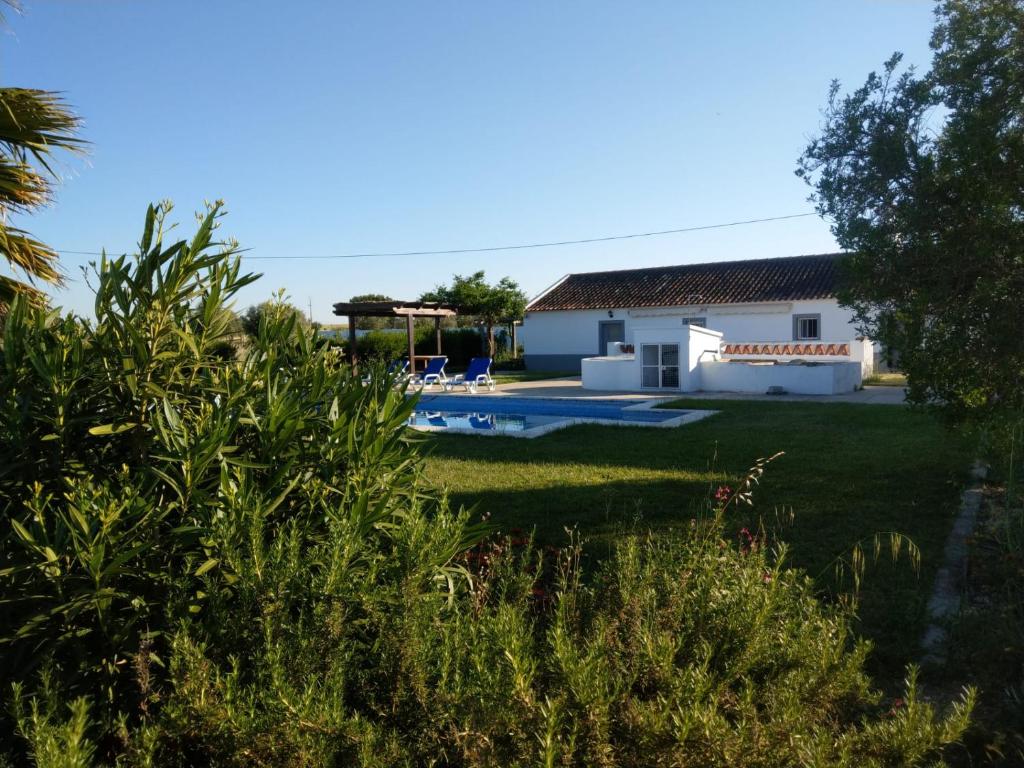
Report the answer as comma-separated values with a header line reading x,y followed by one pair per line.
x,y
557,341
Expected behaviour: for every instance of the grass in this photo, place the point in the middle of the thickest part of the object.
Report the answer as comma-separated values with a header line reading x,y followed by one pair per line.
x,y
886,380
849,472
514,377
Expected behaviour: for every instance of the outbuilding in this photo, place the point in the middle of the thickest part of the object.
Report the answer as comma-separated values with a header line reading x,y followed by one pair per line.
x,y
765,311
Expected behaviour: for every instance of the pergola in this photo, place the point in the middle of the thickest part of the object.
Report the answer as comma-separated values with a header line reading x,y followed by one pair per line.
x,y
410,310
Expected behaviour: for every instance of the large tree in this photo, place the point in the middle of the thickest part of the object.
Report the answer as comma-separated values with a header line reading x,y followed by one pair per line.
x,y
502,302
923,179
375,323
269,310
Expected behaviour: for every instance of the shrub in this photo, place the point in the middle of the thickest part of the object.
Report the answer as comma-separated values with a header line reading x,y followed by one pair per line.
x,y
382,346
235,562
459,344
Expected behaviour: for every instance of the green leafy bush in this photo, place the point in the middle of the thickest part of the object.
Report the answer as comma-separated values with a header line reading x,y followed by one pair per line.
x,y
459,344
211,561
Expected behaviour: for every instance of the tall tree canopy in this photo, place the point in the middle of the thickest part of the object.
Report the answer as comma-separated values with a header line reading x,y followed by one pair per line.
x,y
502,302
375,323
272,310
923,178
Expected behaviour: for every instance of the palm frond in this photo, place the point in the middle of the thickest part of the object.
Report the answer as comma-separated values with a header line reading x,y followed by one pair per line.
x,y
34,123
36,259
10,288
22,188
14,5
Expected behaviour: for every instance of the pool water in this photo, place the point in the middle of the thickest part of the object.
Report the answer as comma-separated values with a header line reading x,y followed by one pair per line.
x,y
511,415
484,422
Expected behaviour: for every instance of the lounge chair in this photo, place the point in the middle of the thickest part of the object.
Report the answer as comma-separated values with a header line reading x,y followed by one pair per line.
x,y
431,375
396,370
482,421
477,375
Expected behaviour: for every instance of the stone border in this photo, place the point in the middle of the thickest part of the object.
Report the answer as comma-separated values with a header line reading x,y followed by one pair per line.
x,y
944,604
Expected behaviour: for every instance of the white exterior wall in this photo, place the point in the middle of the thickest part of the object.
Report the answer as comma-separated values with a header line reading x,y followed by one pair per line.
x,y
576,332
823,379
610,374
565,333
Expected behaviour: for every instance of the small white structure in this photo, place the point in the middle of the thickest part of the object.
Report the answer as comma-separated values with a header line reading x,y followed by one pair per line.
x,y
740,326
667,358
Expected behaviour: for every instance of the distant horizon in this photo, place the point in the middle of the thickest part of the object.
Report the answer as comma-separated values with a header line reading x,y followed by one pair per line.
x,y
347,129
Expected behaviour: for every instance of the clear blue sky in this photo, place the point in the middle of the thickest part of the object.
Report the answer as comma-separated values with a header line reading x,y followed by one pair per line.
x,y
392,126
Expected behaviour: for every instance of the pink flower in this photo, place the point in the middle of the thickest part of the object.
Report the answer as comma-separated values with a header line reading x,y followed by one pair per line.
x,y
746,540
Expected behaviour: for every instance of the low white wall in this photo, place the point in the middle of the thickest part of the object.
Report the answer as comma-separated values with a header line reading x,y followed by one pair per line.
x,y
704,345
756,378
610,373
863,351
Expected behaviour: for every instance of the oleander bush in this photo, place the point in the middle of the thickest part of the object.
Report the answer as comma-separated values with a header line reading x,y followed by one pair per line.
x,y
211,561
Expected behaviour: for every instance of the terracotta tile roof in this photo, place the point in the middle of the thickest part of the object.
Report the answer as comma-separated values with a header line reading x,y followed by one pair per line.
x,y
725,282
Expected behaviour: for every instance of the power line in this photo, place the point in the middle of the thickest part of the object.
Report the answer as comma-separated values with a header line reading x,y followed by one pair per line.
x,y
518,247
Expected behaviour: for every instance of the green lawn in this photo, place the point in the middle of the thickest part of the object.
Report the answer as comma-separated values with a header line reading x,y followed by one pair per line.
x,y
513,377
886,380
849,471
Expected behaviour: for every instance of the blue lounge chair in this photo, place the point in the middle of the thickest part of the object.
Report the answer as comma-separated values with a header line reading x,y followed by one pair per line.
x,y
395,370
436,419
482,421
477,375
432,374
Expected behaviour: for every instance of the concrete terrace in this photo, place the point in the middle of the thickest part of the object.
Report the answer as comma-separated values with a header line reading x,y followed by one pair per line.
x,y
573,388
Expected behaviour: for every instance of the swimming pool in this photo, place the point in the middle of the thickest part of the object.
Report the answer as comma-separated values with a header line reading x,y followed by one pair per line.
x,y
532,417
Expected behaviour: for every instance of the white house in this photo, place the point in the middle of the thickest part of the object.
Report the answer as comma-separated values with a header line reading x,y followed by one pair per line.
x,y
760,311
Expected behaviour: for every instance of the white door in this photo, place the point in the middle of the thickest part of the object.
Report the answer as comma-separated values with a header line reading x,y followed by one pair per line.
x,y
659,366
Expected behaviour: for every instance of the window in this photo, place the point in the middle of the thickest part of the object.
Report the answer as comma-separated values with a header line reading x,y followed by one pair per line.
x,y
806,327
702,322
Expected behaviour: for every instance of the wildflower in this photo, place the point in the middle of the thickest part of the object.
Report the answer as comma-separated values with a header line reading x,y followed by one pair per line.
x,y
723,493
746,540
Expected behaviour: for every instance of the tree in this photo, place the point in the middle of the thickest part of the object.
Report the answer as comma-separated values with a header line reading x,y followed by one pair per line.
x,y
278,306
923,179
33,124
493,304
375,323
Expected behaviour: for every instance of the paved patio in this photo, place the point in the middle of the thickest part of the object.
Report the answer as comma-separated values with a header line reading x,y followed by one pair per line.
x,y
573,388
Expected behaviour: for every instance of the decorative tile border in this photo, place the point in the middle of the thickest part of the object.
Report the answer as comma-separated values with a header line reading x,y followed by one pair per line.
x,y
787,349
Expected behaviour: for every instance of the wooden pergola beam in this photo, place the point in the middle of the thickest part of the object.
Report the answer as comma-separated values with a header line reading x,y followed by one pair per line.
x,y
394,309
